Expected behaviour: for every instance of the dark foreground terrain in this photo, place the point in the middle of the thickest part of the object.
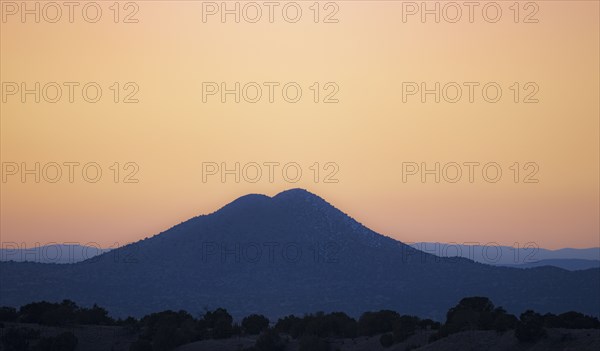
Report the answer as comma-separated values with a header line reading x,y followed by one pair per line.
x,y
557,339
473,324
116,338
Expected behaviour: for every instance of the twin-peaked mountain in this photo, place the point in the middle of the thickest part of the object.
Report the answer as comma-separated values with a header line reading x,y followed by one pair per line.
x,y
291,253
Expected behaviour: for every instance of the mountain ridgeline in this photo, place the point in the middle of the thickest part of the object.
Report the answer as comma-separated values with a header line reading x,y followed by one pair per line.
x,y
289,254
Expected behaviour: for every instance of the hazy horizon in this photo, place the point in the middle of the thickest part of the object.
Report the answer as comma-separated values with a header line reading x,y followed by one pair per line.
x,y
111,244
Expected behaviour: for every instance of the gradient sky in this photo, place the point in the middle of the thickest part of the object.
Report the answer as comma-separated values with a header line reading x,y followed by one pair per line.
x,y
170,132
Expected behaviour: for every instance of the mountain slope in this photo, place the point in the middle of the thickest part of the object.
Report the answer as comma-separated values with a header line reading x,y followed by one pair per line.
x,y
292,253
56,253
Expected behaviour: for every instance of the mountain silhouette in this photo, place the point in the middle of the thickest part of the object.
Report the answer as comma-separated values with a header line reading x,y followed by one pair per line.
x,y
293,253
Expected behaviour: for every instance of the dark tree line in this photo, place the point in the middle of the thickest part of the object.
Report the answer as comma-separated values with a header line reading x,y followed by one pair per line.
x,y
479,313
56,314
166,330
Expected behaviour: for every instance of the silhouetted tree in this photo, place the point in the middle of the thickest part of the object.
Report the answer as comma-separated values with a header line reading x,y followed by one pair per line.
x,y
530,327
130,324
66,312
404,327
95,316
168,329
290,325
336,324
8,314
255,323
470,313
475,313
220,323
339,324
571,320
503,321
371,323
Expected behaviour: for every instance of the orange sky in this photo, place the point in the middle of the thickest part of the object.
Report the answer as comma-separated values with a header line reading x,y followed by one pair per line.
x,y
368,134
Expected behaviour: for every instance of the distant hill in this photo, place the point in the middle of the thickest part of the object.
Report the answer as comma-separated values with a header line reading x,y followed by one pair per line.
x,y
57,253
68,253
289,254
506,255
568,264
